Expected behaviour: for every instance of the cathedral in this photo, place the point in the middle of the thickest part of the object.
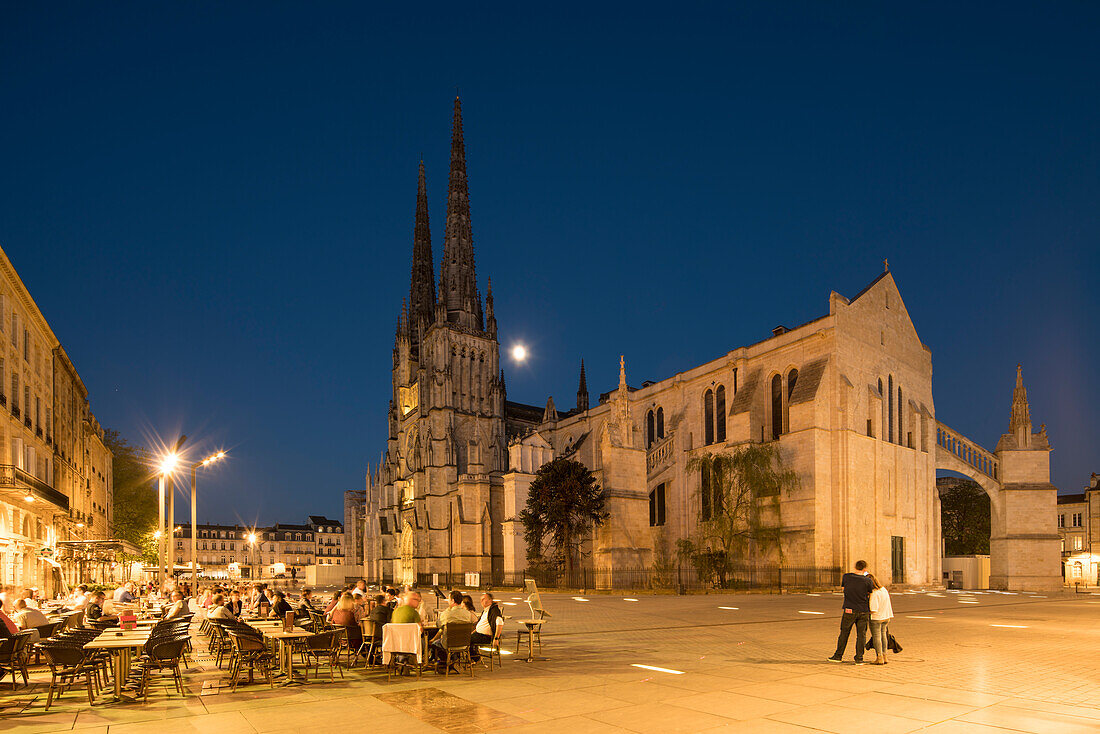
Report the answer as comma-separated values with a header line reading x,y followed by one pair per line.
x,y
847,397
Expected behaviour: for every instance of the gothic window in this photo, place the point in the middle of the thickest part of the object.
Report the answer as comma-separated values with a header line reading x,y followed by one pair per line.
x,y
720,413
777,406
660,422
708,418
650,429
792,378
901,422
657,506
890,409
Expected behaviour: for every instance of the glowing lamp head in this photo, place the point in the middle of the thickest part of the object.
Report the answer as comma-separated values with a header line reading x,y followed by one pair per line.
x,y
252,537
29,498
519,353
168,464
80,524
156,534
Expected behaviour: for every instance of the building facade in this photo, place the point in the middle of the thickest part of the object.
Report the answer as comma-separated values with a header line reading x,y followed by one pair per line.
x,y
846,398
238,551
47,493
1079,530
329,535
355,520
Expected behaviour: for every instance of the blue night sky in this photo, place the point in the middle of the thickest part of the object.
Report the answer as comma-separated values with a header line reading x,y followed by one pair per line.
x,y
212,203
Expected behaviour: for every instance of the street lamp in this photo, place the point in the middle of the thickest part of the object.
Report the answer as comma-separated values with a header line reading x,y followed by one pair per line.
x,y
167,466
194,517
251,549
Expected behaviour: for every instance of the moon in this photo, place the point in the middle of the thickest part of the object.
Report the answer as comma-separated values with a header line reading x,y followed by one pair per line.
x,y
519,353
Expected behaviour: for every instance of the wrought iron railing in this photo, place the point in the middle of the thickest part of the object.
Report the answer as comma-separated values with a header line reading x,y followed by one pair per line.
x,y
12,476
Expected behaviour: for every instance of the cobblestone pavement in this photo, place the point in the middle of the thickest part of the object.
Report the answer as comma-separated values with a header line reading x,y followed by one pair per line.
x,y
973,662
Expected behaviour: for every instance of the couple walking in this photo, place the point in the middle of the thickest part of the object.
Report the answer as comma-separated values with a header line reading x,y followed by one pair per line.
x,y
865,600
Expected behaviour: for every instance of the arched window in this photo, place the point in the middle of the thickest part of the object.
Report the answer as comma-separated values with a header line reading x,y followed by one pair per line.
x,y
901,423
792,378
708,418
660,422
890,409
650,429
777,406
720,413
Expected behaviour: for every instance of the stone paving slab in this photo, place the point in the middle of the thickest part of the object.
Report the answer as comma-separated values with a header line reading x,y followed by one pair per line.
x,y
990,666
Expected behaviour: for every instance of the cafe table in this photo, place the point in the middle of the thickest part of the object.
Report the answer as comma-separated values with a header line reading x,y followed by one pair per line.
x,y
120,643
273,629
534,627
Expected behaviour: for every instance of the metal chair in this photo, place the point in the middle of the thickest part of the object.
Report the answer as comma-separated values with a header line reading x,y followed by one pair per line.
x,y
456,645
247,650
400,654
324,649
67,664
164,655
13,656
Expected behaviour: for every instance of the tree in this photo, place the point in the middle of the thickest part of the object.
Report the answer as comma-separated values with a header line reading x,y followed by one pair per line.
x,y
964,517
739,507
562,503
135,501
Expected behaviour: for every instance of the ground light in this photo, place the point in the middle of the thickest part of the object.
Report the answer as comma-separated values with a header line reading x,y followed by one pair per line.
x,y
732,609
804,611
659,670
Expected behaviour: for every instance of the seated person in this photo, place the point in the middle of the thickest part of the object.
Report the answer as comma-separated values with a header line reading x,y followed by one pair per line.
x,y
218,609
178,607
305,605
234,603
346,614
280,606
94,611
454,612
488,625
407,612
27,618
468,605
29,598
125,593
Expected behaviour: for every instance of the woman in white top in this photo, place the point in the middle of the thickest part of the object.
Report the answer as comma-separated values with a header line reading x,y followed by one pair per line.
x,y
881,614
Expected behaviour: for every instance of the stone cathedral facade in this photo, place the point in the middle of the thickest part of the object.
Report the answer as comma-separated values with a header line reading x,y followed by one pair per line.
x,y
847,397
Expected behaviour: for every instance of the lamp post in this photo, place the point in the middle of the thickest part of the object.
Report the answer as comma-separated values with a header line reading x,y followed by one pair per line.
x,y
194,517
251,548
167,466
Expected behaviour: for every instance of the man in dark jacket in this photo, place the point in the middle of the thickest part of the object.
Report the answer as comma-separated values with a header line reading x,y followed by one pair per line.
x,y
857,611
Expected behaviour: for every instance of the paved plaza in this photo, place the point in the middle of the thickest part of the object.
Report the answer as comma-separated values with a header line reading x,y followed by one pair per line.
x,y
973,662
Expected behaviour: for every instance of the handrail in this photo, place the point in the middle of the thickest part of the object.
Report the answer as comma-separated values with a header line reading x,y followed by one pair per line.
x,y
658,454
13,476
981,459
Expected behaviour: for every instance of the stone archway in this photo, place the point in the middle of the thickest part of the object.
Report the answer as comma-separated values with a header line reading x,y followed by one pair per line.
x,y
408,556
1023,545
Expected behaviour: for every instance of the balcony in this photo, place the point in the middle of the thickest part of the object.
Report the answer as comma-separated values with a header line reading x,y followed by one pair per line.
x,y
38,431
3,399
15,410
12,477
27,421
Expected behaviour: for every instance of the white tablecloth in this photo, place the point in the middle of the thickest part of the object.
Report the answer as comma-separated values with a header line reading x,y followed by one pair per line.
x,y
401,638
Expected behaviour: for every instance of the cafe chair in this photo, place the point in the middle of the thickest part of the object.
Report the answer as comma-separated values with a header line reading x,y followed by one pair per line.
x,y
494,648
164,655
324,649
67,665
456,645
372,642
248,651
401,643
13,656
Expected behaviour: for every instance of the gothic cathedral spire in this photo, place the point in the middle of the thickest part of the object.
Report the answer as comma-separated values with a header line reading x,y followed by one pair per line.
x,y
582,391
1020,423
422,290
458,281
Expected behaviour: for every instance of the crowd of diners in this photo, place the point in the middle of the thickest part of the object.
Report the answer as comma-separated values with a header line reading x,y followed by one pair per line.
x,y
345,608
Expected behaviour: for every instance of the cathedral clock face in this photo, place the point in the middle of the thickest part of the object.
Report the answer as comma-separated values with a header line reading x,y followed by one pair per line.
x,y
411,453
